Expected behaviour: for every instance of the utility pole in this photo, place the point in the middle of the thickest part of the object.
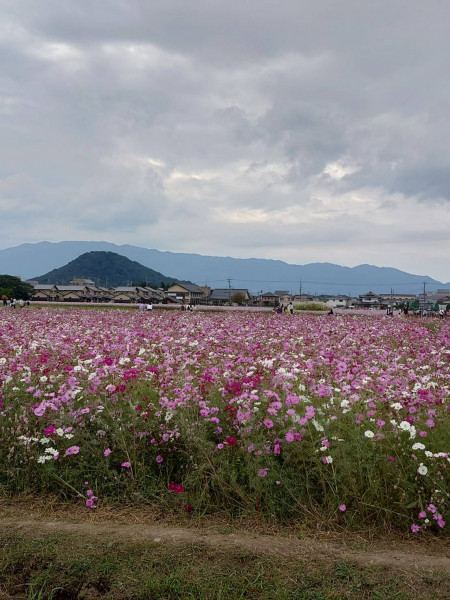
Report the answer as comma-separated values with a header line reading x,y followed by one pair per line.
x,y
424,294
300,290
229,291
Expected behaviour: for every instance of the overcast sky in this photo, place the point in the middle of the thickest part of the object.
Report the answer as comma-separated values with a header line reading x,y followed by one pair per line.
x,y
306,131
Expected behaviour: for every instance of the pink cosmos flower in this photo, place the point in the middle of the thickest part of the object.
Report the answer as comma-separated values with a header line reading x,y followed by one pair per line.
x,y
159,459
231,441
72,450
126,464
342,508
422,514
176,487
263,472
415,528
49,430
107,452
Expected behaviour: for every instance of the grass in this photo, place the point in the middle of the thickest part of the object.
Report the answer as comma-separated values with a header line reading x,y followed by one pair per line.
x,y
71,566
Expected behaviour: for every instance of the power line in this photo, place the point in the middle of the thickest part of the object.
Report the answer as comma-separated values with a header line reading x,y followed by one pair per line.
x,y
325,282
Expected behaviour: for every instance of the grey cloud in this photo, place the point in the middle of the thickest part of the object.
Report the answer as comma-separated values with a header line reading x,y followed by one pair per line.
x,y
239,107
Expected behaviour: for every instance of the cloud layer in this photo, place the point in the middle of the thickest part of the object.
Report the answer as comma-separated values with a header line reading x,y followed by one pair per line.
x,y
293,130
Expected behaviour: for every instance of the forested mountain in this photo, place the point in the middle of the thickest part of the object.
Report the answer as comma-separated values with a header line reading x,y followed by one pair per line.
x,y
107,269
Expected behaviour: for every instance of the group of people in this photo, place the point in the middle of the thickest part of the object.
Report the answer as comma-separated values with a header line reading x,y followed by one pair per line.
x,y
12,303
280,309
143,306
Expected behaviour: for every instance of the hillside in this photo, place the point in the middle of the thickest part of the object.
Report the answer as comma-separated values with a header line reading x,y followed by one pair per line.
x,y
107,269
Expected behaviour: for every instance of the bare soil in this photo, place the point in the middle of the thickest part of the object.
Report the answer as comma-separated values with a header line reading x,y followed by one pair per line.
x,y
408,554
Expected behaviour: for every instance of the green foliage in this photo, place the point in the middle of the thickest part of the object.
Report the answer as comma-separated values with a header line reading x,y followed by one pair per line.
x,y
238,298
14,287
316,306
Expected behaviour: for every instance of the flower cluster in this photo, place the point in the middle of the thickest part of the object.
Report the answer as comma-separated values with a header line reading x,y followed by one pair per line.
x,y
279,398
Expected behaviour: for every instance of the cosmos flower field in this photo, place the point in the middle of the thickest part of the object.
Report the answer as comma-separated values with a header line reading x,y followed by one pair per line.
x,y
341,419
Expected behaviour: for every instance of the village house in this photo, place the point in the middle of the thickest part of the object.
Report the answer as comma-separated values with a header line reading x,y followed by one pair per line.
x,y
58,293
283,297
266,299
223,296
44,292
80,281
368,300
340,301
70,293
136,294
395,299
188,293
303,298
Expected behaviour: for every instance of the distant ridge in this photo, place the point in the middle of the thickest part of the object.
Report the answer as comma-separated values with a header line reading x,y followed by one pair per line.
x,y
107,269
254,274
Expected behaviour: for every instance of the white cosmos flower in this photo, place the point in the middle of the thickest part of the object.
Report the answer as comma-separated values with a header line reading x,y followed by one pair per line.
x,y
369,434
317,425
422,470
52,451
418,446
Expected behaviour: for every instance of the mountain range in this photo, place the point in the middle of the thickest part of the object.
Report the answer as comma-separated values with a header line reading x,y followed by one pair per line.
x,y
28,261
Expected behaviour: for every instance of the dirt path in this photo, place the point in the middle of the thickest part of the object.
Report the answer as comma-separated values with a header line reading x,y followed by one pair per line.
x,y
396,553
